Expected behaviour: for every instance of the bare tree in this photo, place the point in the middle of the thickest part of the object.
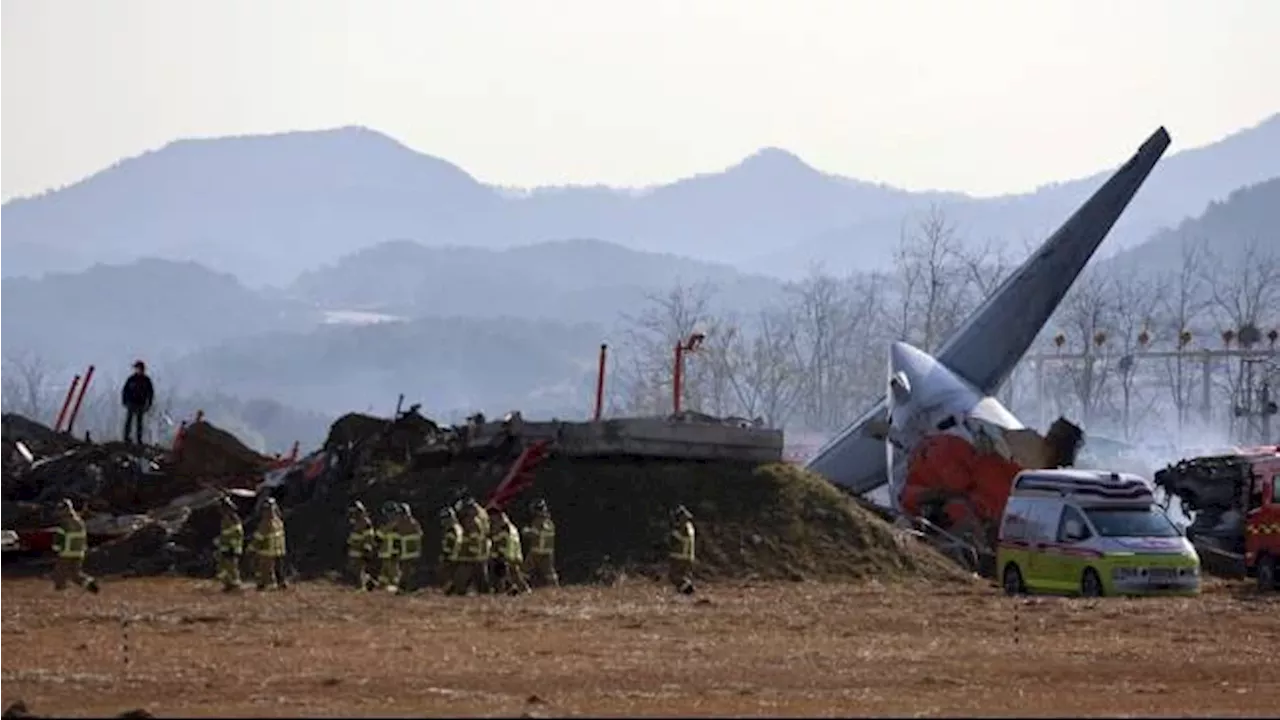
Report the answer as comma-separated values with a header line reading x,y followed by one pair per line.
x,y
834,328
1183,304
646,371
758,365
1087,315
932,280
1135,303
1245,294
28,388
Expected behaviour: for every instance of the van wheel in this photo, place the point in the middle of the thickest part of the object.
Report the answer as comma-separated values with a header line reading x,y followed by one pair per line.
x,y
1012,580
1267,573
1091,584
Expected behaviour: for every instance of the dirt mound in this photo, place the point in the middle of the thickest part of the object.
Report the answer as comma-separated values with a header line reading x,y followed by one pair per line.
x,y
361,439
39,438
612,516
208,452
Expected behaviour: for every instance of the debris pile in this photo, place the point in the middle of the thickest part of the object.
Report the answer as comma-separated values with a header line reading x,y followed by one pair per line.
x,y
209,453
133,498
154,511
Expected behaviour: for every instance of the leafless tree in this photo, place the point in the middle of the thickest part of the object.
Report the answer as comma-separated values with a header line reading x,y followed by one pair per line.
x,y
645,370
28,387
835,347
1135,304
1184,302
758,364
985,268
1087,315
1245,294
932,280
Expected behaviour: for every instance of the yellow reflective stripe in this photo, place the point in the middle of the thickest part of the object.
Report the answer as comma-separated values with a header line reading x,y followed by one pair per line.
x,y
410,546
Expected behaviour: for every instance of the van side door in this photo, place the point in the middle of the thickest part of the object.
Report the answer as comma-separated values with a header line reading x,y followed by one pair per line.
x,y
1067,558
1041,523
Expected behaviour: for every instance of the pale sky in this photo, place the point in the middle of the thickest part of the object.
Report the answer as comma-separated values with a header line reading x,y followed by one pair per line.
x,y
984,96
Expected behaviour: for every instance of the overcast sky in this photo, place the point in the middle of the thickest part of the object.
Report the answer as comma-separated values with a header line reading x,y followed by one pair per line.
x,y
985,96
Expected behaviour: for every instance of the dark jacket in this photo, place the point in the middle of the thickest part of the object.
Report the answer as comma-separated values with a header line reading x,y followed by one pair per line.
x,y
137,392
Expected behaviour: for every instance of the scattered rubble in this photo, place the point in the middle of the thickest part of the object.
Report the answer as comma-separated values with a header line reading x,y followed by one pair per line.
x,y
151,510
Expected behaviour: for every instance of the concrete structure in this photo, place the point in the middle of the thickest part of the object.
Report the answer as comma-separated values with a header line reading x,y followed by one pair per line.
x,y
658,437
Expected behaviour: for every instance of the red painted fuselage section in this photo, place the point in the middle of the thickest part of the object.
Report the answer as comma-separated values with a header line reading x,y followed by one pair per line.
x,y
968,481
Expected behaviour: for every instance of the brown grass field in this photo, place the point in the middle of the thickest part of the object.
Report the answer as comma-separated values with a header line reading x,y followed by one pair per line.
x,y
635,649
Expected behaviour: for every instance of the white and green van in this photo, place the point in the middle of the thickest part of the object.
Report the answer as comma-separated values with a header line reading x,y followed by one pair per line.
x,y
1091,533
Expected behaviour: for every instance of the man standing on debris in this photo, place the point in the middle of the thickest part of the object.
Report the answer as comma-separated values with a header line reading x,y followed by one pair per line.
x,y
540,538
389,547
229,546
71,543
137,396
269,546
450,547
410,532
508,556
360,545
680,559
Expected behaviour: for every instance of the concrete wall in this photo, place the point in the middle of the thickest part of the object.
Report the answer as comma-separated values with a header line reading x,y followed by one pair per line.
x,y
654,437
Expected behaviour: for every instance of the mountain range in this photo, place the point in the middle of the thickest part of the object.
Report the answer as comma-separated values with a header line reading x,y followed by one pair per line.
x,y
250,269
459,317
269,208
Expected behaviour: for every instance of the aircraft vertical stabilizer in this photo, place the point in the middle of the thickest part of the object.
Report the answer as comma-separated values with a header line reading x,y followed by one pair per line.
x,y
984,349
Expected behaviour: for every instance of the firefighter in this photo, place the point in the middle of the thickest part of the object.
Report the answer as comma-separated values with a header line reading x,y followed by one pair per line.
x,y
481,557
410,532
450,546
508,556
540,540
389,547
71,543
229,546
681,556
360,545
473,559
269,547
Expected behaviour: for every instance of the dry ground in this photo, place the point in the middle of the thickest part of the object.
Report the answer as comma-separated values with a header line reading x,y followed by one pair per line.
x,y
786,648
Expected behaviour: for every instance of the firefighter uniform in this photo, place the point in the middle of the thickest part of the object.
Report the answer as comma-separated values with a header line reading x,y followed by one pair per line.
x,y
508,556
410,532
71,543
485,548
269,547
681,556
473,560
540,543
389,548
229,547
450,546
360,545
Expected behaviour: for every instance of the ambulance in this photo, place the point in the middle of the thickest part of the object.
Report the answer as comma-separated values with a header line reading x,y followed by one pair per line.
x,y
1091,533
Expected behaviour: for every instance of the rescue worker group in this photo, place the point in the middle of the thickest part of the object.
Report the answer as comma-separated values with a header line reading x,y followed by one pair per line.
x,y
480,549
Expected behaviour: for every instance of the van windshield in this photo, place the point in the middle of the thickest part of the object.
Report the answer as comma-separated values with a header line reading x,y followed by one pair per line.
x,y
1131,522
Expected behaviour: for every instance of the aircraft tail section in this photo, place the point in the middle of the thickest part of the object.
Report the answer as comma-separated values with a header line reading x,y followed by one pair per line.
x,y
985,348
991,341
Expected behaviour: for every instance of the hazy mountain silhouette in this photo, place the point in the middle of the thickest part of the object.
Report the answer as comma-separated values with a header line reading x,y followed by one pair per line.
x,y
1181,186
1248,220
150,308
449,364
267,208
567,280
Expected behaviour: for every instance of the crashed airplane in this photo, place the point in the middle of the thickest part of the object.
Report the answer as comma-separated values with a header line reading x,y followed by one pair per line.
x,y
956,386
